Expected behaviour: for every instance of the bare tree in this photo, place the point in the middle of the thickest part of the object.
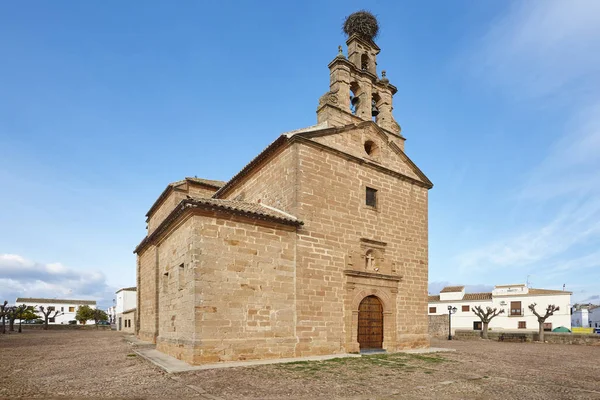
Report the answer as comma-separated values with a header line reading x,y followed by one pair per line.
x,y
46,314
486,316
550,310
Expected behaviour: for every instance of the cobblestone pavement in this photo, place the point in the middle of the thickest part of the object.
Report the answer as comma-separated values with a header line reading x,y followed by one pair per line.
x,y
101,364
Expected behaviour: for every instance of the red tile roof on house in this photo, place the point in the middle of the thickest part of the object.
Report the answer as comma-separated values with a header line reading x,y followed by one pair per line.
x,y
452,289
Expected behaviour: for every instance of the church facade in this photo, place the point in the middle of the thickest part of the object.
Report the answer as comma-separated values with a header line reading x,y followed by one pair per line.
x,y
317,246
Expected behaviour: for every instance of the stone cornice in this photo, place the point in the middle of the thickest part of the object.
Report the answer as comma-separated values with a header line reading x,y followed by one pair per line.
x,y
350,157
372,275
186,206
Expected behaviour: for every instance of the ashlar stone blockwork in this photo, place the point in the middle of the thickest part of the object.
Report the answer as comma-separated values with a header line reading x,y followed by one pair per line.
x,y
277,262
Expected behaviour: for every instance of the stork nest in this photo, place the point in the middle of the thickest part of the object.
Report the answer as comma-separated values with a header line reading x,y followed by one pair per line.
x,y
362,23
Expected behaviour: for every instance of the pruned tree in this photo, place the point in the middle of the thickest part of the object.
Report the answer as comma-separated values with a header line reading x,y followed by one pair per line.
x,y
486,316
99,315
47,314
10,314
24,312
3,312
84,313
550,310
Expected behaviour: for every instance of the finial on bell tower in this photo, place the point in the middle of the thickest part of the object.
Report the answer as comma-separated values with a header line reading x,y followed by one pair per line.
x,y
355,91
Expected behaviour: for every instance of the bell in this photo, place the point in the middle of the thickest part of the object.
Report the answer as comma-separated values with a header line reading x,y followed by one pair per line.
x,y
355,100
374,109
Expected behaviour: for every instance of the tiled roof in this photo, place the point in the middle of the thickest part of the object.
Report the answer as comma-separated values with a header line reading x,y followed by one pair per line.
x,y
209,182
467,296
127,289
247,208
251,210
450,289
54,301
477,296
547,291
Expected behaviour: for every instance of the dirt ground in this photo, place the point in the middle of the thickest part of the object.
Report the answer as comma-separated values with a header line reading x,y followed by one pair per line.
x,y
101,364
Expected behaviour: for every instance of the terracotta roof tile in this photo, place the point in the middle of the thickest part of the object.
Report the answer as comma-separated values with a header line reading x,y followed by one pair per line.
x,y
477,296
547,291
54,301
127,289
434,298
209,182
244,207
450,289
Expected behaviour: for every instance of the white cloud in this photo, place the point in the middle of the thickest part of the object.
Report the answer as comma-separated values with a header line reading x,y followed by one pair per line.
x,y
20,277
543,51
541,47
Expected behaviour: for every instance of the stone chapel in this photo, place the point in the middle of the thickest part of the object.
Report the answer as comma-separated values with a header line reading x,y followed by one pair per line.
x,y
317,246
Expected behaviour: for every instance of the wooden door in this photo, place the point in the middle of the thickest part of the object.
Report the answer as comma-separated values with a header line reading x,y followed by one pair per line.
x,y
370,323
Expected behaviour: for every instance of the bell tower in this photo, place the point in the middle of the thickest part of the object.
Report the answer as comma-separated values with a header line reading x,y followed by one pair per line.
x,y
356,92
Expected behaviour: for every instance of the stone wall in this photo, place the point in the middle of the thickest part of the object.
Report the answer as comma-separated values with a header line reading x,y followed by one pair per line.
x,y
57,327
530,336
339,229
173,198
438,325
235,299
272,184
147,294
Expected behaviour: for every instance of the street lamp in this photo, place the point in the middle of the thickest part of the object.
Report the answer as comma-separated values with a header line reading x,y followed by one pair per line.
x,y
451,310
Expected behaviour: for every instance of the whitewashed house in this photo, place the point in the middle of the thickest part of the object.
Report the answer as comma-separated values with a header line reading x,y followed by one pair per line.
x,y
580,316
594,316
67,308
513,299
125,304
112,314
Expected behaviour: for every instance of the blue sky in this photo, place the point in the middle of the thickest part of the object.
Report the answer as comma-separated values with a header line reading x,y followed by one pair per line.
x,y
104,103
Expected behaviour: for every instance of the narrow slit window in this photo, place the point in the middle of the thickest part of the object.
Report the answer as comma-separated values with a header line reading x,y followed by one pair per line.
x,y
165,282
181,276
371,197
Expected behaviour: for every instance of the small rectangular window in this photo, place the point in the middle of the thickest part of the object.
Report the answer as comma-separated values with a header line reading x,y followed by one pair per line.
x,y
465,308
71,309
432,310
515,308
548,326
51,320
181,276
371,198
522,324
62,309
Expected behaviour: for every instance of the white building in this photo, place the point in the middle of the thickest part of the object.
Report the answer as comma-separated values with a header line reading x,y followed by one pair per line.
x,y
67,308
112,314
580,316
594,315
513,299
125,302
585,316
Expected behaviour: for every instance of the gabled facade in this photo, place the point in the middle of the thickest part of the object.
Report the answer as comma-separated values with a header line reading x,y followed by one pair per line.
x,y
513,299
318,246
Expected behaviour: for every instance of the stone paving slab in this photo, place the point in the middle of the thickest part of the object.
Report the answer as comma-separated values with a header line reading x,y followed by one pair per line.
x,y
428,350
172,365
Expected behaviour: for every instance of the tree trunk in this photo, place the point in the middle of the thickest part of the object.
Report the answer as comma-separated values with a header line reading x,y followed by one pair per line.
x,y
3,324
484,332
46,324
20,323
11,325
541,334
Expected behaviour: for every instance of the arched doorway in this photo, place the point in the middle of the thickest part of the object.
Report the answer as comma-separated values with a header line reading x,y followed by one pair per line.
x,y
370,323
